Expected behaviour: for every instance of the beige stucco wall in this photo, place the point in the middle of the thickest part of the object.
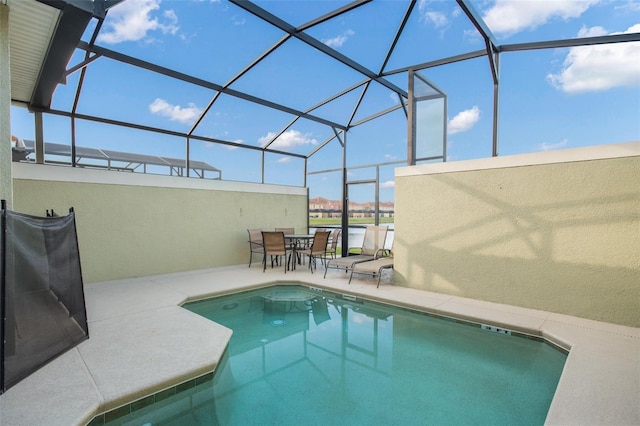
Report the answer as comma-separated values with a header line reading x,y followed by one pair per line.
x,y
132,225
5,108
557,231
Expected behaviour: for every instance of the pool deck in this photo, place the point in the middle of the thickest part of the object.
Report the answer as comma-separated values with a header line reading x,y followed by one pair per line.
x,y
142,342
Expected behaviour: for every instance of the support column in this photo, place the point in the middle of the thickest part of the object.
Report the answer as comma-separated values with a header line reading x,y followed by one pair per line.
x,y
6,182
345,198
411,131
496,104
39,142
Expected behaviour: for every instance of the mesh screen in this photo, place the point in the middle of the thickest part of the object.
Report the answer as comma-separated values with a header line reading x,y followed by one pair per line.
x,y
43,306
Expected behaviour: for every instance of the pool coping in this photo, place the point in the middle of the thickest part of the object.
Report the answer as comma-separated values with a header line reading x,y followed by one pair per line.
x,y
599,385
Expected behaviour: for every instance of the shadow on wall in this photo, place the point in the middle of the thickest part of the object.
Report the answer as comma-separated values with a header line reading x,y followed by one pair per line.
x,y
586,291
563,249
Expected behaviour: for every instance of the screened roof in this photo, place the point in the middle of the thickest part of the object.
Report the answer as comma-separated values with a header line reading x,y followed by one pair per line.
x,y
289,78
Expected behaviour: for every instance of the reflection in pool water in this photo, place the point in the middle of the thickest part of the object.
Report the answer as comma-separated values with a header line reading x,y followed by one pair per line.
x,y
299,356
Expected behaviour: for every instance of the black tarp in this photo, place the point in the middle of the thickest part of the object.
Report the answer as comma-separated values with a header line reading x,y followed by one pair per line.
x,y
43,308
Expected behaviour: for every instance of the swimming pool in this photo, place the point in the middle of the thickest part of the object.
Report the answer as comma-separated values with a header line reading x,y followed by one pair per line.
x,y
303,356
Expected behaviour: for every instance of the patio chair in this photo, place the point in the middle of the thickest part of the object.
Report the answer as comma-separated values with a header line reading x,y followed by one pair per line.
x,y
333,243
275,247
288,231
255,243
372,248
373,267
317,249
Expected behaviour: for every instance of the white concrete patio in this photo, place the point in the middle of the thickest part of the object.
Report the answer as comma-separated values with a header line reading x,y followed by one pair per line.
x,y
142,342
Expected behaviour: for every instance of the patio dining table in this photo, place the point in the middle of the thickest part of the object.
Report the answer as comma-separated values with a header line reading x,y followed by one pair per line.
x,y
300,241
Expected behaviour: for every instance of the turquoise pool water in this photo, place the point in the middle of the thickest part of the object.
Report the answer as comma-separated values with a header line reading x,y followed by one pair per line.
x,y
299,356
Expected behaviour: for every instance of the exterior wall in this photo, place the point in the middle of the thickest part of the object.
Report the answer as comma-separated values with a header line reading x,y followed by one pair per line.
x,y
557,231
5,108
132,225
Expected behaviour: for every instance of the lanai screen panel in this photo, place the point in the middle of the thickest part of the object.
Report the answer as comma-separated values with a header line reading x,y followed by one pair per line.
x,y
430,120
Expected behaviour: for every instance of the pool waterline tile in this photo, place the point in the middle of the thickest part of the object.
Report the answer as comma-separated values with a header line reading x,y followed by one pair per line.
x,y
132,407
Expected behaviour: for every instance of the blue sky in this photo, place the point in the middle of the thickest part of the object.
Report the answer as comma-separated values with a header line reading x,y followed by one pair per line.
x,y
549,99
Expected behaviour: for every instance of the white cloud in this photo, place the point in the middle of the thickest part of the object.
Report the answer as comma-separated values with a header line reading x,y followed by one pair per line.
x,y
175,112
289,139
339,40
508,17
599,67
284,160
388,184
238,21
471,35
438,19
132,20
464,121
630,6
592,32
553,146
171,27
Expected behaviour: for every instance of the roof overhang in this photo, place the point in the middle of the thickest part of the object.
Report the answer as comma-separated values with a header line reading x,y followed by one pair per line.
x,y
43,37
31,28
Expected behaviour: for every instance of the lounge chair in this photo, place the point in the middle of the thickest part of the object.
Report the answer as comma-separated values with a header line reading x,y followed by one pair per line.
x,y
372,248
373,267
255,243
317,249
274,246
